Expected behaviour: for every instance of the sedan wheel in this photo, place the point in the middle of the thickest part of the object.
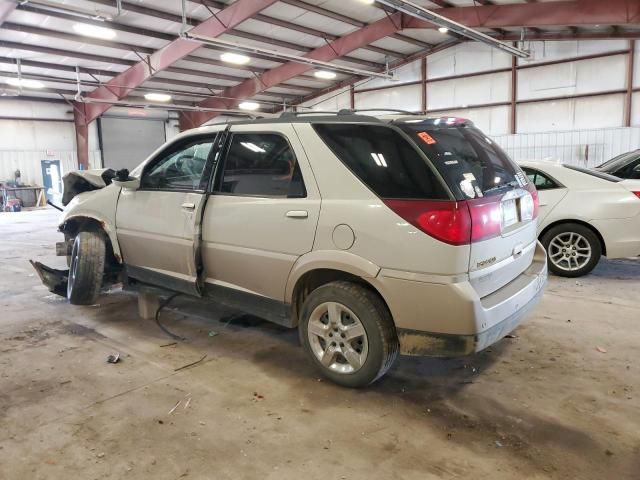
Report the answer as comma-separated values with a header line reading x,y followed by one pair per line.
x,y
569,251
573,249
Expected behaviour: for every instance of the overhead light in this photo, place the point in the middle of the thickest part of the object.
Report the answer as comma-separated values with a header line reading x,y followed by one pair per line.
x,y
236,58
94,31
443,29
324,74
368,2
418,11
24,82
157,97
289,57
253,147
249,106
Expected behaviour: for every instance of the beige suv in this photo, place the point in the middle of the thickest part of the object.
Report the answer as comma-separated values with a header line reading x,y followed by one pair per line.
x,y
372,235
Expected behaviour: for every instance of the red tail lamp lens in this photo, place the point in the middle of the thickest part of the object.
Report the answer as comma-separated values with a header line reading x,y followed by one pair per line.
x,y
447,221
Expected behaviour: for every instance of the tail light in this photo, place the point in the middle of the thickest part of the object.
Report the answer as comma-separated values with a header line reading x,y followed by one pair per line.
x,y
536,199
447,221
637,194
464,222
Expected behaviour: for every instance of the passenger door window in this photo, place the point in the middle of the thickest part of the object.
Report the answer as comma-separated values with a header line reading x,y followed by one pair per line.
x,y
181,168
263,165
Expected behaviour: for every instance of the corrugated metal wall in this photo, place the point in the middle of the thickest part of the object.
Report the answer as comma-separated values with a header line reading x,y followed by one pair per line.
x,y
586,148
585,131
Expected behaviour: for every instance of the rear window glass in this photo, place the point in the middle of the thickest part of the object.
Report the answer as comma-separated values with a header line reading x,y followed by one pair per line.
x,y
472,164
383,159
594,173
618,162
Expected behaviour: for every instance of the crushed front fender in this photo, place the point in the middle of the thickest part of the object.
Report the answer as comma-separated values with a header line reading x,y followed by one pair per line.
x,y
55,280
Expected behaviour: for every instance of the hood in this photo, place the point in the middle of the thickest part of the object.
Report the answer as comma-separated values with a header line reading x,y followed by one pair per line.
x,y
80,181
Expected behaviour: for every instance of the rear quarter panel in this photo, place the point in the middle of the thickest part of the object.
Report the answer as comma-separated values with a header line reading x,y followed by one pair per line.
x,y
381,236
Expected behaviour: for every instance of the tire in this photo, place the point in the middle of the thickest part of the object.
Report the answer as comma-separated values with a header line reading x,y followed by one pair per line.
x,y
86,268
567,245
359,326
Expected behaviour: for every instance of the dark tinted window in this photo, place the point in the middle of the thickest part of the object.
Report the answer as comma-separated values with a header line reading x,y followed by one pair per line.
x,y
181,167
383,160
471,163
619,165
594,173
261,164
541,181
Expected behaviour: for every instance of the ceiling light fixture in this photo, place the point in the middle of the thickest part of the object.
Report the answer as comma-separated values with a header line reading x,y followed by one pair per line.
x,y
236,58
324,74
417,11
94,31
368,2
443,29
249,106
24,82
251,49
157,97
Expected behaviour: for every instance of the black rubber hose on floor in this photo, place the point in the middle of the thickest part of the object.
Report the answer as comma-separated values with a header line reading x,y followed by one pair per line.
x,y
164,303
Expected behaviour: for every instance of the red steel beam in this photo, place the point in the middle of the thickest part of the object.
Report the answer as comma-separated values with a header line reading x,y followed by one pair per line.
x,y
543,14
336,49
121,85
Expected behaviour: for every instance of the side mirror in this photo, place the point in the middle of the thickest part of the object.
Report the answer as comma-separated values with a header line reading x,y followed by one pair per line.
x,y
130,183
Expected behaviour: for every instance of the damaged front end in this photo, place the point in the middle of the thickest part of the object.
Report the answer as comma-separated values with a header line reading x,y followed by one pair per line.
x,y
80,181
55,280
93,212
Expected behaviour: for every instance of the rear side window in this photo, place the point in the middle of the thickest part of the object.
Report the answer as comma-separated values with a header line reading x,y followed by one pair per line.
x,y
541,181
383,160
472,164
261,164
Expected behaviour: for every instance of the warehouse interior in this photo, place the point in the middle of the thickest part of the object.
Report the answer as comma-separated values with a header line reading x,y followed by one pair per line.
x,y
205,390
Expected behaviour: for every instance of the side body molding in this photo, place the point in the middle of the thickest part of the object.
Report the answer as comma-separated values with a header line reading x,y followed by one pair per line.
x,y
329,259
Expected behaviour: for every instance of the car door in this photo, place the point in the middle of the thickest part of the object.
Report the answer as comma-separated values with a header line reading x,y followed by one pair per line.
x,y
158,225
262,215
550,191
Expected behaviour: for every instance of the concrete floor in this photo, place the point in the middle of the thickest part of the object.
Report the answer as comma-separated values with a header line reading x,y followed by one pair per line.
x,y
561,400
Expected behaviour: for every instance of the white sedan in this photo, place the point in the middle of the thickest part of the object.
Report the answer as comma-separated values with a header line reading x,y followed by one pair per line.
x,y
584,214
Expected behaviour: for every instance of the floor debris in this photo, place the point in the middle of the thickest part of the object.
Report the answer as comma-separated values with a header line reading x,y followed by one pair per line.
x,y
174,407
114,358
601,349
191,364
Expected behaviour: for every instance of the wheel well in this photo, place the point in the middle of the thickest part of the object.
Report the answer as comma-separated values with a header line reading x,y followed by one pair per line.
x,y
316,278
579,222
73,226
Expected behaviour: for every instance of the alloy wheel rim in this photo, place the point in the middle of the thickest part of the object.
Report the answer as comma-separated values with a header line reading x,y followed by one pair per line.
x,y
569,251
337,338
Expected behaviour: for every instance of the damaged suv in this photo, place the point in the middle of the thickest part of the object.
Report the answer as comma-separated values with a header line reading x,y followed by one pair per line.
x,y
372,235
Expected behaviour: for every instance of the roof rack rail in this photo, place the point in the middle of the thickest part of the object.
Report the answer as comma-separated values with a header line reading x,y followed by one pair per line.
x,y
314,112
355,111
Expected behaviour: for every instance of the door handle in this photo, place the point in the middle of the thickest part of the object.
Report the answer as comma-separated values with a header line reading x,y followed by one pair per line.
x,y
297,214
188,206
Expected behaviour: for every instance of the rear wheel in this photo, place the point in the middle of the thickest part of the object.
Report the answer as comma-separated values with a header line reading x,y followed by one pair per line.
x,y
349,334
86,268
573,250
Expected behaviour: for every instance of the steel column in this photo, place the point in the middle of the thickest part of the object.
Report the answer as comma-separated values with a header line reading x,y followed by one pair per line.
x,y
134,76
423,83
82,134
514,93
629,97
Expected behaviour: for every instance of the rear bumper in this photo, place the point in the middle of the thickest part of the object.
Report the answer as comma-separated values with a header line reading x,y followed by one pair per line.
x,y
445,320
